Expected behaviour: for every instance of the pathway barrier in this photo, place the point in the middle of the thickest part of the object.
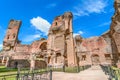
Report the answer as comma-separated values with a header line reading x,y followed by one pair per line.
x,y
70,69
26,74
113,72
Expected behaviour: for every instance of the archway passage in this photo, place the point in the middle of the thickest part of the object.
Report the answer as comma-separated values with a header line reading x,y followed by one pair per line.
x,y
40,62
16,64
58,58
95,59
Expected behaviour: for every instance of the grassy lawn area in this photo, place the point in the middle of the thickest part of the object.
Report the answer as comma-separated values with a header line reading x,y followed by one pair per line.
x,y
4,69
7,71
8,78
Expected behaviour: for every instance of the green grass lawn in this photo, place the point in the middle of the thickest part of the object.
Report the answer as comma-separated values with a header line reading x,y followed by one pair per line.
x,y
7,71
4,69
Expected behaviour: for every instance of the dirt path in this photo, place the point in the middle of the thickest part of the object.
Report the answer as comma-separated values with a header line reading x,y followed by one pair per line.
x,y
93,73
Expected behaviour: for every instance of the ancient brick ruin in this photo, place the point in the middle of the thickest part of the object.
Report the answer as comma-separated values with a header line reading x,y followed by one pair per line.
x,y
61,48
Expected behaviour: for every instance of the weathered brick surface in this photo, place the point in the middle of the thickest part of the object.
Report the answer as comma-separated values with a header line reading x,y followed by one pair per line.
x,y
115,33
94,50
61,48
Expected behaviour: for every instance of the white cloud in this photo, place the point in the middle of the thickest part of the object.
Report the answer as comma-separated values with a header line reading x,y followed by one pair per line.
x,y
40,24
105,24
1,46
78,33
95,6
80,13
75,34
90,6
30,38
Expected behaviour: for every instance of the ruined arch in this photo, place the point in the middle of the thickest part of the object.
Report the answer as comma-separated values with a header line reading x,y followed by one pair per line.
x,y
40,61
8,36
59,58
14,35
43,46
95,59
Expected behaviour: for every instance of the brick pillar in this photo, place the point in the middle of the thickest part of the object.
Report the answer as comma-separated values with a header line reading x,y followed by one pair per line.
x,y
54,59
32,65
3,59
7,62
71,52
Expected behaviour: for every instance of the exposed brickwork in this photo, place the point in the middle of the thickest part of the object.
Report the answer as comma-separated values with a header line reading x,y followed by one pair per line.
x,y
115,33
60,41
61,48
94,50
11,38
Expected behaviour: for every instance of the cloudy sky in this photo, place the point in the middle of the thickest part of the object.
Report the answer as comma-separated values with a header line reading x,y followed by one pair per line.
x,y
91,17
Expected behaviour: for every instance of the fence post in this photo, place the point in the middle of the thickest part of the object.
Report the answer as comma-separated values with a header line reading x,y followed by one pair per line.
x,y
50,74
78,68
63,68
83,67
32,75
18,73
116,77
4,78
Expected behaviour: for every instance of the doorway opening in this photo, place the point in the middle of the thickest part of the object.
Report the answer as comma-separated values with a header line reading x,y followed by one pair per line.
x,y
95,59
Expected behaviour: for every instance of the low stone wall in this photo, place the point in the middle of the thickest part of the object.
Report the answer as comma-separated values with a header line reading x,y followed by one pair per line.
x,y
19,63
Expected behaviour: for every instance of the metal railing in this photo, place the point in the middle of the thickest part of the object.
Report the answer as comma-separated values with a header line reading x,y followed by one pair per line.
x,y
71,69
113,72
40,74
29,75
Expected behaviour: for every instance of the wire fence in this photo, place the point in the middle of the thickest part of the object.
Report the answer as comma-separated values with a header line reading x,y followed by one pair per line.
x,y
40,74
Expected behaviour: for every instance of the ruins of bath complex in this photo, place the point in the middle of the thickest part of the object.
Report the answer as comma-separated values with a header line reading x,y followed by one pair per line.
x,y
61,48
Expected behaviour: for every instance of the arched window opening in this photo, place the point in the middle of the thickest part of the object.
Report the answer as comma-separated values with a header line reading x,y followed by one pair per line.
x,y
55,23
83,57
8,36
43,46
107,56
95,59
13,36
58,58
58,54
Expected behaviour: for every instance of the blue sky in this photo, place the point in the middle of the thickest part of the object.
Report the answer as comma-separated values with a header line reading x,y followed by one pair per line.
x,y
91,17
